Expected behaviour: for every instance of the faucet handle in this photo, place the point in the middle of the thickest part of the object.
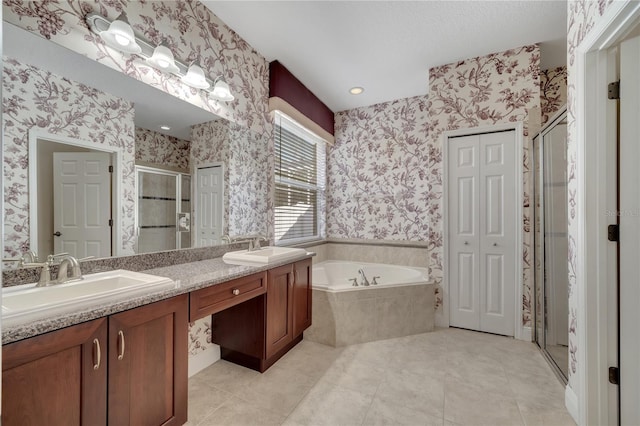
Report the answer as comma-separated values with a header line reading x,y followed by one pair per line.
x,y
354,282
374,282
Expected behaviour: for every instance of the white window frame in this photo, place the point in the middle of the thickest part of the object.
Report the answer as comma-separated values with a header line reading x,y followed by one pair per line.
x,y
321,165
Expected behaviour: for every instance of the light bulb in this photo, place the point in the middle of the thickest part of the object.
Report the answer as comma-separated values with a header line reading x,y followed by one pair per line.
x,y
121,40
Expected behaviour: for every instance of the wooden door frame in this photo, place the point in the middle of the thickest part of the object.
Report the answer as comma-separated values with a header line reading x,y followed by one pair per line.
x,y
587,397
116,184
442,318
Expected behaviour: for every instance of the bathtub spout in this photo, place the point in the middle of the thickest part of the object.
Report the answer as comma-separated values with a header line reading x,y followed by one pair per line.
x,y
363,278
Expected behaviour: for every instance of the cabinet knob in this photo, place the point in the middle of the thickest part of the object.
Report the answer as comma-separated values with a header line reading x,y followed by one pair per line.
x,y
466,243
236,292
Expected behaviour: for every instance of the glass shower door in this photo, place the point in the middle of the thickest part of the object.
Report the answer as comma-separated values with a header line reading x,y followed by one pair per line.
x,y
551,243
163,219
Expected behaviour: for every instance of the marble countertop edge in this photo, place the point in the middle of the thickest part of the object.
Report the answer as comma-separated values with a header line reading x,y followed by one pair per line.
x,y
188,277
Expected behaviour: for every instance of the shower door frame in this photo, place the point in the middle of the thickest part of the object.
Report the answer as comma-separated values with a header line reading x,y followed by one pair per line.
x,y
537,166
178,201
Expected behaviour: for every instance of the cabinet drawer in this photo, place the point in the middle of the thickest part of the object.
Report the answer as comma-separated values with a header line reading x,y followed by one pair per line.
x,y
216,298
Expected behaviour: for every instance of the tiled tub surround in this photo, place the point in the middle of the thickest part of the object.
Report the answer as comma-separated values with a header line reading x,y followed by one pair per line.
x,y
344,316
188,277
407,253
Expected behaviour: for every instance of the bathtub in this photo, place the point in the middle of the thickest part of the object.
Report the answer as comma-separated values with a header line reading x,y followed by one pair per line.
x,y
401,304
337,275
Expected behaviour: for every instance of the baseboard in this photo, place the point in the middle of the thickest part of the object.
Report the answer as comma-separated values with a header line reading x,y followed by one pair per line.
x,y
526,334
571,402
203,359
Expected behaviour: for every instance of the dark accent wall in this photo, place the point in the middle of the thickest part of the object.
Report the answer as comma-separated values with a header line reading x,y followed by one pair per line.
x,y
284,85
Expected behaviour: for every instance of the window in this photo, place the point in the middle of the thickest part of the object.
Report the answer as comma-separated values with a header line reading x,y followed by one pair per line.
x,y
300,162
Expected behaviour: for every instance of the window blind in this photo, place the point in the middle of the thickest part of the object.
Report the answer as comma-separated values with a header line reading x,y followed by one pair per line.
x,y
299,176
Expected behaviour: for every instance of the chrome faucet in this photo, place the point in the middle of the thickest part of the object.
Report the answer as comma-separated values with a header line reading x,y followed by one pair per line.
x,y
66,275
363,278
28,256
253,240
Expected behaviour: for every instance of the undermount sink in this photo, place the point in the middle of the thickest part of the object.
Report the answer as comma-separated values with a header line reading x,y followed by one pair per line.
x,y
28,302
263,256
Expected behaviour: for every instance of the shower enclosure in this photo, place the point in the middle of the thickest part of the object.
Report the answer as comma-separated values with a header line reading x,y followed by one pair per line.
x,y
551,297
163,217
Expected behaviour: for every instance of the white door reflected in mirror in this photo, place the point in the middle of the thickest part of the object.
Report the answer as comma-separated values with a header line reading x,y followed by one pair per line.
x,y
82,203
209,199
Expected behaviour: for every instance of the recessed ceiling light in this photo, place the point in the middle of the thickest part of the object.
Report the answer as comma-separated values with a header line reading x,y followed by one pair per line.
x,y
165,127
356,90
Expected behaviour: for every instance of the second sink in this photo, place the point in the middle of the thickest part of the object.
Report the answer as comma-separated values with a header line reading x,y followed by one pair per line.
x,y
263,256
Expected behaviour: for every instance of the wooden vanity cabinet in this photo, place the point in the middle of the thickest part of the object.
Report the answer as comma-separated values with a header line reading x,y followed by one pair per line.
x,y
58,378
76,376
148,364
302,293
256,333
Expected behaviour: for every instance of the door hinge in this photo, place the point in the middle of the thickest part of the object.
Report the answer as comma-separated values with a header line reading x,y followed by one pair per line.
x,y
110,222
613,91
110,169
612,232
614,375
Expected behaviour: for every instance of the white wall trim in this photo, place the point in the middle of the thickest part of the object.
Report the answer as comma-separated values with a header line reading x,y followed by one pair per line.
x,y
204,359
116,201
442,318
571,402
594,262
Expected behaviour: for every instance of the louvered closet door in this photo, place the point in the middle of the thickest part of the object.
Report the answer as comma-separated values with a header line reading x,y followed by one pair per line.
x,y
481,203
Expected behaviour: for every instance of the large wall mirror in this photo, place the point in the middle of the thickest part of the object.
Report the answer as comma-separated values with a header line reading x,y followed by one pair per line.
x,y
100,164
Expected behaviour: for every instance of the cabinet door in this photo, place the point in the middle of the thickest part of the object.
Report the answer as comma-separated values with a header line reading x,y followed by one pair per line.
x,y
279,309
148,364
301,296
58,378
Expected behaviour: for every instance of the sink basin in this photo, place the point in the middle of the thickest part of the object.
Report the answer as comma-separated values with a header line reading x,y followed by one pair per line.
x,y
263,256
28,302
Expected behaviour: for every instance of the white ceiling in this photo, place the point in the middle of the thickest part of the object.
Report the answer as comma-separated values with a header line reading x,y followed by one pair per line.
x,y
387,47
153,107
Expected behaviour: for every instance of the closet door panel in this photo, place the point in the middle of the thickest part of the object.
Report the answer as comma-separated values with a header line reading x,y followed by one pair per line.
x,y
463,226
497,232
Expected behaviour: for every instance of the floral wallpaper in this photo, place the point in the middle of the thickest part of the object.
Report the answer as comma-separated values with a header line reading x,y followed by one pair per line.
x,y
192,32
497,88
247,160
37,100
200,336
156,148
582,16
377,183
553,91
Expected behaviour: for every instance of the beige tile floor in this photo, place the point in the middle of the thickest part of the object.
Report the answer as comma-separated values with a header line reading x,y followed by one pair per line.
x,y
447,377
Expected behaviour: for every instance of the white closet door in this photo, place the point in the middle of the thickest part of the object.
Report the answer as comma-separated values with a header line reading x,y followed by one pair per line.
x,y
209,196
481,209
497,232
464,287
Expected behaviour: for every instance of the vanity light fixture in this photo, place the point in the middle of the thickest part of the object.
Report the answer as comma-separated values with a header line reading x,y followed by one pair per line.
x,y
163,60
356,90
159,57
195,77
221,91
120,35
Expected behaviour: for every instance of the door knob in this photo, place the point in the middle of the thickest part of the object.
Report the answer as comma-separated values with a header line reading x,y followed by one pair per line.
x,y
57,233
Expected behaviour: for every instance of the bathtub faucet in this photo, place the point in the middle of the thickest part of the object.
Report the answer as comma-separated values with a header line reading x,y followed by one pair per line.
x,y
363,278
